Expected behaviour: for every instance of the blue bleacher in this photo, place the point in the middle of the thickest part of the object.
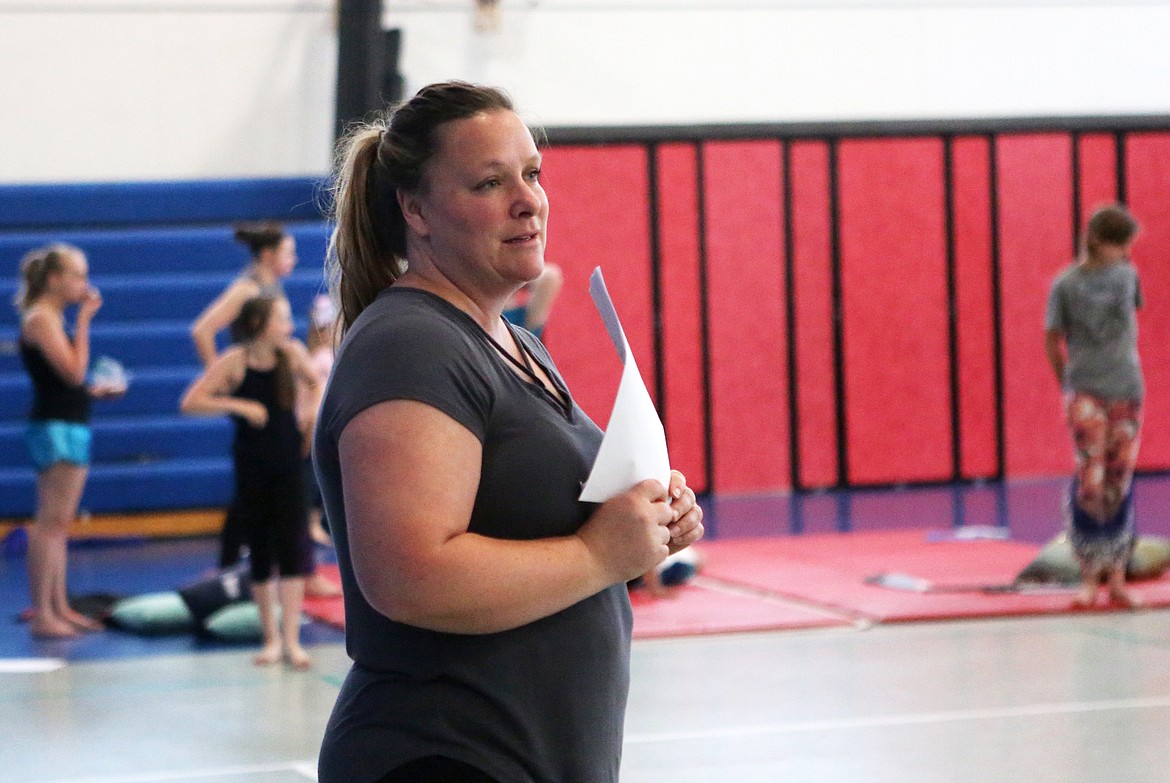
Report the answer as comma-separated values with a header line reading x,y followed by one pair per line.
x,y
159,252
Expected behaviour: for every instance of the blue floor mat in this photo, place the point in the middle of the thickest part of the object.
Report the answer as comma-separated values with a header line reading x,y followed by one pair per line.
x,y
123,568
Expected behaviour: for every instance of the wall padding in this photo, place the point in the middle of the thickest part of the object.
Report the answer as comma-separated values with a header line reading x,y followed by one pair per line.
x,y
895,310
1148,178
599,217
678,238
1035,191
747,329
1097,155
812,280
975,308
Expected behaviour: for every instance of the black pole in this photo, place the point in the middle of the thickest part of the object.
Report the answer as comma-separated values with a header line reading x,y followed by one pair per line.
x,y
360,60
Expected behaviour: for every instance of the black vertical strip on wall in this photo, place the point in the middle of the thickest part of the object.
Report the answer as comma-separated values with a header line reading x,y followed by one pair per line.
x,y
1122,185
838,316
952,306
1075,136
996,306
656,276
790,315
704,317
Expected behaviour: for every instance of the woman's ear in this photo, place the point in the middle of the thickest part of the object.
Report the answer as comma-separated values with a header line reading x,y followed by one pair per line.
x,y
412,212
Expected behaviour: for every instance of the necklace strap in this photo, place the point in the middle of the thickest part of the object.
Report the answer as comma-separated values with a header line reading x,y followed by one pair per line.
x,y
524,365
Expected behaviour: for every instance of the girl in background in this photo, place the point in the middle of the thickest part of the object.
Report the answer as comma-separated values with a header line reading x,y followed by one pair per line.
x,y
320,341
58,438
255,382
274,255
1091,343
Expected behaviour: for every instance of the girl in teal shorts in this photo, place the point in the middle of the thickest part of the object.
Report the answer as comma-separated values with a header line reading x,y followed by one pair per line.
x,y
52,279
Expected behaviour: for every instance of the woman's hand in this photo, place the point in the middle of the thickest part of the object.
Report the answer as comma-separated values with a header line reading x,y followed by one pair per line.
x,y
89,305
628,534
687,527
252,412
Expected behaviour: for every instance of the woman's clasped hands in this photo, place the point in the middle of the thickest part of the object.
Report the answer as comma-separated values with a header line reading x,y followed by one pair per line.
x,y
636,530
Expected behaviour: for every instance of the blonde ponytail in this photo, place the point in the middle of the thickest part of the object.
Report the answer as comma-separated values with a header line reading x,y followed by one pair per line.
x,y
35,268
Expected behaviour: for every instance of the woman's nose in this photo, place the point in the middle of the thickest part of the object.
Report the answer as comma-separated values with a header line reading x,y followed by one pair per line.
x,y
528,199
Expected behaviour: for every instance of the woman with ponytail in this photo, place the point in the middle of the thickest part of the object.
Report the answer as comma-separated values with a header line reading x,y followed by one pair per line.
x,y
255,382
53,278
486,607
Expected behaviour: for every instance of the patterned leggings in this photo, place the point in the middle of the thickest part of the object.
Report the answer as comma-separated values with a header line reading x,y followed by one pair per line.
x,y
1107,434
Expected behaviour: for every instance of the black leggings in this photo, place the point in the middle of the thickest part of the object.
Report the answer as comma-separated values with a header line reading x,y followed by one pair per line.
x,y
436,769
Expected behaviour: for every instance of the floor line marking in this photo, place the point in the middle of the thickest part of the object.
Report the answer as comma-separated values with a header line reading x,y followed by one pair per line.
x,y
909,719
307,767
768,596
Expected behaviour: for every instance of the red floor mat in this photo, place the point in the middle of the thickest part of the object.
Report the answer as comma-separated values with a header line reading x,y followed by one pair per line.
x,y
830,570
810,581
696,608
327,610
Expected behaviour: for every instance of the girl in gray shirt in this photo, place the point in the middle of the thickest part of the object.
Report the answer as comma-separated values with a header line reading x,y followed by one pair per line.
x,y
1091,342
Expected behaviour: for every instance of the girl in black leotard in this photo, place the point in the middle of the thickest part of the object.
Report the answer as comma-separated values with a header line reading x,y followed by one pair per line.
x,y
255,383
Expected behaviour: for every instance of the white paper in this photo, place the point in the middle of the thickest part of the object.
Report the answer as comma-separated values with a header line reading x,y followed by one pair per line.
x,y
634,446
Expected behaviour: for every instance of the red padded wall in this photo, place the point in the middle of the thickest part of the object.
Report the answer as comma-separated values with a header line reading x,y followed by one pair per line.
x,y
973,293
1148,194
892,254
894,305
1097,155
599,217
678,242
812,280
1035,220
747,329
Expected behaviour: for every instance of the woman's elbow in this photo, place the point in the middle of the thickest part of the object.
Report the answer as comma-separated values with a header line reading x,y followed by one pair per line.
x,y
415,607
189,404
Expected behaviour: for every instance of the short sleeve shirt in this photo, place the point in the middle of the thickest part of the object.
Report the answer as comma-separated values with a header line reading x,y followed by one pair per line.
x,y
542,702
1096,311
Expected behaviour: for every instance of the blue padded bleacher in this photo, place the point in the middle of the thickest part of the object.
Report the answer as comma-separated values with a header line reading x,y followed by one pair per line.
x,y
159,252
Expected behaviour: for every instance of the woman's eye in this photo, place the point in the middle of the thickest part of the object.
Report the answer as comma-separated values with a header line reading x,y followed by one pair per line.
x,y
487,184
534,175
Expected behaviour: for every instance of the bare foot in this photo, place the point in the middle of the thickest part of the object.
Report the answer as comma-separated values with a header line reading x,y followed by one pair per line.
x,y
51,628
269,655
1085,599
81,622
318,586
298,658
1124,598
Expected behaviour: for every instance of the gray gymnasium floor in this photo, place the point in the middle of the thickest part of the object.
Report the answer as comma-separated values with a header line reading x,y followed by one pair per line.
x,y
1074,698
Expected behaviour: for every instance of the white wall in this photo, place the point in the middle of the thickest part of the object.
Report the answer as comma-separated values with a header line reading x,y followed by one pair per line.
x,y
156,89
171,89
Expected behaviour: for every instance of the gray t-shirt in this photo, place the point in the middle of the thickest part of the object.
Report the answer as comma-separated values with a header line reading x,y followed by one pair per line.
x,y
541,703
1096,311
